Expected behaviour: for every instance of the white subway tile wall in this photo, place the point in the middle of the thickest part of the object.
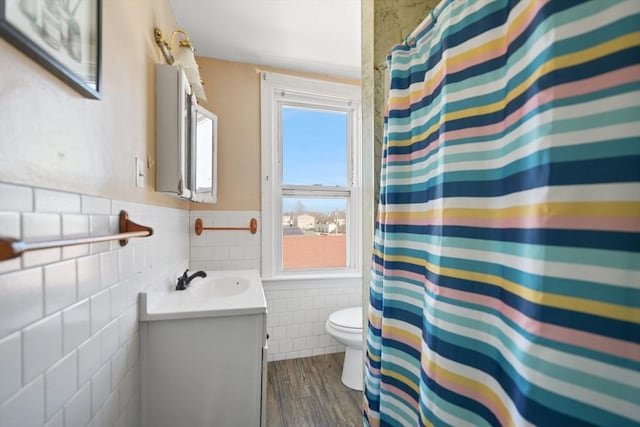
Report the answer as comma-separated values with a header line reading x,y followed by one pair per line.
x,y
61,382
10,354
225,249
26,407
68,318
297,311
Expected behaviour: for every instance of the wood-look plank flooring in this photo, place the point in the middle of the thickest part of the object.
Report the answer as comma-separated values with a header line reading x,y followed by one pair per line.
x,y
308,392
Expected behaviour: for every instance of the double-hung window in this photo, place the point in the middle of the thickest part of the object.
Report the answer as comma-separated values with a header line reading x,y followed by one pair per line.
x,y
311,191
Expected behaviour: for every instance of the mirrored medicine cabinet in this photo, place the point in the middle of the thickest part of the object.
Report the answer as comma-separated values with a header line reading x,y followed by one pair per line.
x,y
186,138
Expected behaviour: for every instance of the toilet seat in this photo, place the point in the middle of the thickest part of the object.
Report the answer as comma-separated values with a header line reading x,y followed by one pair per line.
x,y
349,319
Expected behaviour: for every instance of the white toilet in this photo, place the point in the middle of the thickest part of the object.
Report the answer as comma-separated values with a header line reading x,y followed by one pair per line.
x,y
346,327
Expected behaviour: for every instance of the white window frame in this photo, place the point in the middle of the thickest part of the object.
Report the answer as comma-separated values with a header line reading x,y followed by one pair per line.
x,y
277,90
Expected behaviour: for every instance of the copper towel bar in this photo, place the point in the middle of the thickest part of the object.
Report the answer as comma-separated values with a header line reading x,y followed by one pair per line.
x,y
12,248
253,227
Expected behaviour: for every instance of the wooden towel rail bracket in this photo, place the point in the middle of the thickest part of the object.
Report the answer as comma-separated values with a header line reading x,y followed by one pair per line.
x,y
253,227
12,248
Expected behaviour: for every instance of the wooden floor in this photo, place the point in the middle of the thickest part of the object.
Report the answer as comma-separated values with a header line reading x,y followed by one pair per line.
x,y
308,392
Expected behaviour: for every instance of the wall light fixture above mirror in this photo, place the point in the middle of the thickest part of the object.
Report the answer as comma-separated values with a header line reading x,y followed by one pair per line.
x,y
184,58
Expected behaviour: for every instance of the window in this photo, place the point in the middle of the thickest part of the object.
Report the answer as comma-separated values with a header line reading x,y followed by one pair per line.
x,y
311,192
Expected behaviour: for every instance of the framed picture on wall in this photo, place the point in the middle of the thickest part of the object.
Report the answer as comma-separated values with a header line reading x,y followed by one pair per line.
x,y
64,36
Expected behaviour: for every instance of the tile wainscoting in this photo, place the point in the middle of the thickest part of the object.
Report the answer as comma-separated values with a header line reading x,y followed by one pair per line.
x,y
68,317
298,309
225,249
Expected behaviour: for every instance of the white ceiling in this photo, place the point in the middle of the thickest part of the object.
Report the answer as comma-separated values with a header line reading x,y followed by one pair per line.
x,y
321,36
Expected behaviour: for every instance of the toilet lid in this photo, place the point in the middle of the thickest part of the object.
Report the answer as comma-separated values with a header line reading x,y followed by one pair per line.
x,y
347,318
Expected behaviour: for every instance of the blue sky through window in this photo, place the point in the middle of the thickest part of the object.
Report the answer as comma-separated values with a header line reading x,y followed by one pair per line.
x,y
314,147
314,151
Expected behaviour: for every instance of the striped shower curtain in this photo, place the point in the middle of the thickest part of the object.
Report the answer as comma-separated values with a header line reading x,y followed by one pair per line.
x,y
506,281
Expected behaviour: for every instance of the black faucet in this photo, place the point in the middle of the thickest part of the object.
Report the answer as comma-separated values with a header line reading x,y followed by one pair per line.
x,y
184,280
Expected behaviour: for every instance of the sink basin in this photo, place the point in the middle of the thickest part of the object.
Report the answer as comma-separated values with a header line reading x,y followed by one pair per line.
x,y
219,287
221,293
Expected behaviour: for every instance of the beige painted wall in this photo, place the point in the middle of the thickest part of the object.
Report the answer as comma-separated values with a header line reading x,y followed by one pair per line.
x,y
233,92
50,136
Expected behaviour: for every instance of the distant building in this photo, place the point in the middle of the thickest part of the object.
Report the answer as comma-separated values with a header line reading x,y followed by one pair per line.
x,y
327,228
306,222
287,221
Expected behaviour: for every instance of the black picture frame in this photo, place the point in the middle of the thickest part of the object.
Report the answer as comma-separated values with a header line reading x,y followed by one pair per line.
x,y
64,36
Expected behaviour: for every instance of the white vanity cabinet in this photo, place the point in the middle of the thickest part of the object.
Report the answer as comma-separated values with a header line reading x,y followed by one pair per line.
x,y
202,367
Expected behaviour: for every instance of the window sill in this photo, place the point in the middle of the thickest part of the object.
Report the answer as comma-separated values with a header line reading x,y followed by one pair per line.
x,y
312,277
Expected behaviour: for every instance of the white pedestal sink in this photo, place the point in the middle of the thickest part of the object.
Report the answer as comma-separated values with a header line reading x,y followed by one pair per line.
x,y
203,360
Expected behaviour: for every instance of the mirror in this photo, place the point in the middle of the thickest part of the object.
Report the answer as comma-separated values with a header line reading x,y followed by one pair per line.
x,y
186,140
204,157
175,115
